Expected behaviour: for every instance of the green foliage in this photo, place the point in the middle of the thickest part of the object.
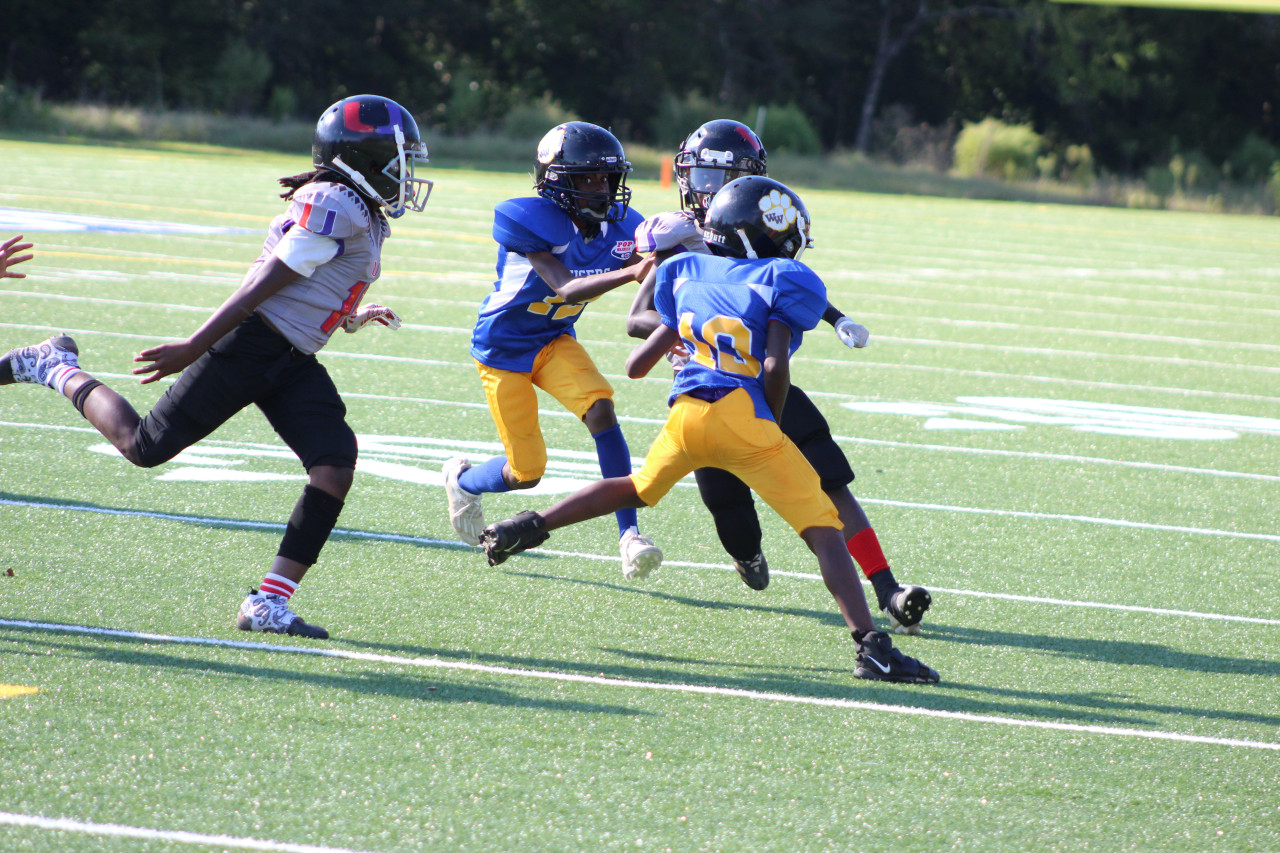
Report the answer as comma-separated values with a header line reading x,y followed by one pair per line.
x,y
530,120
1253,159
679,116
991,148
784,128
240,77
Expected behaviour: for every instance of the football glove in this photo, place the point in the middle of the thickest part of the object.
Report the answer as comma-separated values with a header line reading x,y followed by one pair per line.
x,y
851,334
380,314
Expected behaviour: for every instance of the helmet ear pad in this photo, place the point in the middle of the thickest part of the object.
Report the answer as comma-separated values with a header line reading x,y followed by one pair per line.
x,y
575,149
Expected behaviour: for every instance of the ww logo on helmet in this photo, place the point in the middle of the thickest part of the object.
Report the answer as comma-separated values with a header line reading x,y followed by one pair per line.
x,y
778,211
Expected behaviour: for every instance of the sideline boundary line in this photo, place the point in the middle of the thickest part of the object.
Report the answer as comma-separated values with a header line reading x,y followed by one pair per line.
x,y
633,684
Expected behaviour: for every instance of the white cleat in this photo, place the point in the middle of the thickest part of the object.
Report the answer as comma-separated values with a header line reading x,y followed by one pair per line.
x,y
639,555
465,513
39,363
263,611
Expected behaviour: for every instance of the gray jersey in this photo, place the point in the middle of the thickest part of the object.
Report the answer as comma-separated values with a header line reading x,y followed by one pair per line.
x,y
309,309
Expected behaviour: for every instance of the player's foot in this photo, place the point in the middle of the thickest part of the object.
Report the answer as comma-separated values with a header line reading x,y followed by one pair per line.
x,y
263,611
518,533
39,363
639,555
465,513
906,608
754,572
878,660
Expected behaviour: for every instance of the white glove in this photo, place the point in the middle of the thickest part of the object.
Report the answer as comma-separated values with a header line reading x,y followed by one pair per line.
x,y
380,314
851,334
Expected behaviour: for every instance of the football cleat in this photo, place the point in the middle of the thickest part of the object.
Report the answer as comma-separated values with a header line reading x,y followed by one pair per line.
x,y
519,533
639,555
263,611
465,513
878,660
906,608
754,572
35,363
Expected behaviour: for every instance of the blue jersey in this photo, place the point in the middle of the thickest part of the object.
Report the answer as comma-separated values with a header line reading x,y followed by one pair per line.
x,y
523,314
722,308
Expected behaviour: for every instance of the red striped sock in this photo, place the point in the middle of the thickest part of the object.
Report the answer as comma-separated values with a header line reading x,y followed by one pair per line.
x,y
864,547
278,585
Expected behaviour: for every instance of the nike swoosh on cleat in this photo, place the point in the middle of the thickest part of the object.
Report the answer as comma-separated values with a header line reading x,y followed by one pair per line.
x,y
884,669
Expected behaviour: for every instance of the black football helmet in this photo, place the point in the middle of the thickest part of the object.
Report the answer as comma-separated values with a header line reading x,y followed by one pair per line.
x,y
757,217
711,157
375,142
579,148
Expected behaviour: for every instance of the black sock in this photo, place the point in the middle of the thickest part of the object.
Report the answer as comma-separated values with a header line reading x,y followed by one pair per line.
x,y
885,585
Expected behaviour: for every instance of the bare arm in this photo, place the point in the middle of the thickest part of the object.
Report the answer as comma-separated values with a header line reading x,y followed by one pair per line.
x,y
649,353
643,318
267,279
557,276
777,367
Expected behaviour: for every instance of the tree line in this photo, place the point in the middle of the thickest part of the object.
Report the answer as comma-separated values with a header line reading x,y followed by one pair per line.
x,y
1139,86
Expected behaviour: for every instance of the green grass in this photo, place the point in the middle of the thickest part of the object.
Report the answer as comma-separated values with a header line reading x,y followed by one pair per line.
x,y
1103,617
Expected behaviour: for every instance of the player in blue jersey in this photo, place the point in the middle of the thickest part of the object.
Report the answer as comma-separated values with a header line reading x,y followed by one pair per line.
x,y
557,251
710,157
318,259
740,313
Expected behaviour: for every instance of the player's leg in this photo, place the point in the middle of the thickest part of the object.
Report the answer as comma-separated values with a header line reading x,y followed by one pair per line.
x,y
778,472
513,404
54,363
304,408
664,465
734,513
565,371
804,424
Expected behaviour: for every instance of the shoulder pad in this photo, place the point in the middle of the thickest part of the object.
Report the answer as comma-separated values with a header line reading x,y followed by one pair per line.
x,y
330,210
531,224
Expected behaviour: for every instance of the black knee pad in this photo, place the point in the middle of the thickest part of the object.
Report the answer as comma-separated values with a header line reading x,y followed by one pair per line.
x,y
309,526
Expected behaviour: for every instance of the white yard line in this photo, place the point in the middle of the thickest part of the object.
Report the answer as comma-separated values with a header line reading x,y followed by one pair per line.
x,y
635,685
113,830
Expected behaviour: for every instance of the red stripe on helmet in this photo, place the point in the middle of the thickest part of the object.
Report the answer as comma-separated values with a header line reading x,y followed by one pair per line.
x,y
351,118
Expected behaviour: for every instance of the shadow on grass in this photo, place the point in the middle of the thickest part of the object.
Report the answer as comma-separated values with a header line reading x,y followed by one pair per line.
x,y
437,686
212,522
1085,707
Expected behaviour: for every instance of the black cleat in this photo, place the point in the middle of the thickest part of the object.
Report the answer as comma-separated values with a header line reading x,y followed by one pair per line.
x,y
754,572
906,608
518,533
878,660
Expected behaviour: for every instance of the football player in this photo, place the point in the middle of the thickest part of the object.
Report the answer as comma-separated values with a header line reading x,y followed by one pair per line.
x,y
712,156
317,261
557,251
739,313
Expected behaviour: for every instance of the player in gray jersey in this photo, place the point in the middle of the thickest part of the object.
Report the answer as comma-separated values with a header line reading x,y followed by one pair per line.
x,y
319,258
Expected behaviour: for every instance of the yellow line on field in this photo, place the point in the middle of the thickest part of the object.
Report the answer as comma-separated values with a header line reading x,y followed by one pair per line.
x,y
8,690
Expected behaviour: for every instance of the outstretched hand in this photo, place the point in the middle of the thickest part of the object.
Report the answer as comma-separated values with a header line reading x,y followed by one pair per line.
x,y
9,256
165,360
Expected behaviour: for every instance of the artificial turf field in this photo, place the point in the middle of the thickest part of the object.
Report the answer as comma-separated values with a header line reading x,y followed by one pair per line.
x,y
1066,426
